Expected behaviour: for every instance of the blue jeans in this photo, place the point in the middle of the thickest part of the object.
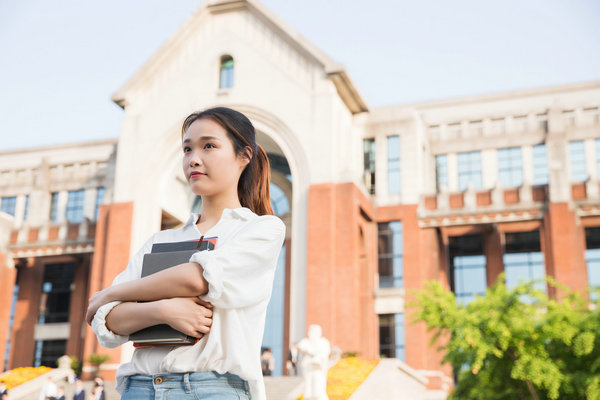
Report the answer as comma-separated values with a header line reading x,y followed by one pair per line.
x,y
188,386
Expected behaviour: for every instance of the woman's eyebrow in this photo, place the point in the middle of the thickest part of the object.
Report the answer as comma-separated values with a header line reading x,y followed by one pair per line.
x,y
203,138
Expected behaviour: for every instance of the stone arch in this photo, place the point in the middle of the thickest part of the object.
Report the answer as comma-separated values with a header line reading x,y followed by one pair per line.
x,y
268,126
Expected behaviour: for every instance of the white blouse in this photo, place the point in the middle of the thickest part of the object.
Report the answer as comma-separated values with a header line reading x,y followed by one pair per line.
x,y
240,272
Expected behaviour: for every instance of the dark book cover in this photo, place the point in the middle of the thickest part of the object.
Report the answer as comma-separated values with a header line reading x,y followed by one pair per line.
x,y
166,255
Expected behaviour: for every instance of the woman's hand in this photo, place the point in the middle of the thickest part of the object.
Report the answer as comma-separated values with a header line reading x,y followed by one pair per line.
x,y
189,315
96,301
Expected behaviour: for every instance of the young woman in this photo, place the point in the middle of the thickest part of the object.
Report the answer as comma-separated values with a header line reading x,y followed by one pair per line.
x,y
221,295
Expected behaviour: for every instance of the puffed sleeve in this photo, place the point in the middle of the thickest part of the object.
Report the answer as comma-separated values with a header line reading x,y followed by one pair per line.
x,y
240,273
133,271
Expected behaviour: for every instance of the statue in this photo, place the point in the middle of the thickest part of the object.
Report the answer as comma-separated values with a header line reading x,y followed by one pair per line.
x,y
315,362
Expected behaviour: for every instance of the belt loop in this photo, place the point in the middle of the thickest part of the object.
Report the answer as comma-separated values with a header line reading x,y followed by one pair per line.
x,y
186,382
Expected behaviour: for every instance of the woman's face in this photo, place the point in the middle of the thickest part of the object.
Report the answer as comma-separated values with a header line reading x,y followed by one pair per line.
x,y
209,163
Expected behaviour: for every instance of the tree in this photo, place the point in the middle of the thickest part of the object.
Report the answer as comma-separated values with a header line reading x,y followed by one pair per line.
x,y
97,360
517,343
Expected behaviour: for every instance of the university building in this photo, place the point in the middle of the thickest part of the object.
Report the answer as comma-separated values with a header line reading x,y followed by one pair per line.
x,y
376,201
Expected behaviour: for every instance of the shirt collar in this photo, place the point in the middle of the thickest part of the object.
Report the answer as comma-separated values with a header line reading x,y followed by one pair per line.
x,y
241,212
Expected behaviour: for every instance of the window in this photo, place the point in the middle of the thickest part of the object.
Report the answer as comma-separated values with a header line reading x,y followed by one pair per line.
x,y
523,260
56,293
592,260
26,211
540,165
577,161
279,201
74,210
369,164
100,192
391,252
510,167
9,205
441,171
393,162
392,336
54,208
467,262
469,170
274,321
226,73
47,352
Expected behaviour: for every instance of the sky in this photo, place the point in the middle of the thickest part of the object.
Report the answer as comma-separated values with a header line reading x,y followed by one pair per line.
x,y
61,60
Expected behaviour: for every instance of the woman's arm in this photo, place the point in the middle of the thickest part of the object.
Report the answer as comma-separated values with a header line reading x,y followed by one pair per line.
x,y
189,315
183,280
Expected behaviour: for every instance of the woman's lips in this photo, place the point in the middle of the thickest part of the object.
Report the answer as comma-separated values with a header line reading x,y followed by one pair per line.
x,y
196,175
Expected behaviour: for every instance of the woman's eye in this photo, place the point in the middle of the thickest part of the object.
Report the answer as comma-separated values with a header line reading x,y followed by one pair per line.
x,y
186,149
209,144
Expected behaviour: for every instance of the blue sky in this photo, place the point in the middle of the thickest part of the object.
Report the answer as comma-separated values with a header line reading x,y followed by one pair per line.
x,y
61,60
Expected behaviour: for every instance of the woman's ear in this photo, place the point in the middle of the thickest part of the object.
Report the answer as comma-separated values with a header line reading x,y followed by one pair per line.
x,y
247,155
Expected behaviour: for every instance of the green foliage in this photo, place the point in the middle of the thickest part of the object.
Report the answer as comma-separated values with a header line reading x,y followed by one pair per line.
x,y
75,365
97,360
517,343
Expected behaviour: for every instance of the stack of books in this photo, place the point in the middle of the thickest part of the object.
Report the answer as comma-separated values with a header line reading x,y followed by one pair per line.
x,y
165,255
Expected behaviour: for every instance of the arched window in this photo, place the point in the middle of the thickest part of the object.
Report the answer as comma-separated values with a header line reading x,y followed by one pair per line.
x,y
226,73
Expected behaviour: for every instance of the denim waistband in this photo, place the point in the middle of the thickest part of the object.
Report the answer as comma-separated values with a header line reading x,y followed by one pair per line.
x,y
186,380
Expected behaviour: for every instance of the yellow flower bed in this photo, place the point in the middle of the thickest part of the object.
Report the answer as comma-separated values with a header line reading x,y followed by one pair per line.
x,y
346,376
21,375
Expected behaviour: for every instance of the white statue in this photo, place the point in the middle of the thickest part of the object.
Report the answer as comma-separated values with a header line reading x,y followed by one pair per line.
x,y
315,362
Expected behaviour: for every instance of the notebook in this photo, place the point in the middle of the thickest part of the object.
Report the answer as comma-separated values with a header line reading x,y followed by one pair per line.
x,y
165,255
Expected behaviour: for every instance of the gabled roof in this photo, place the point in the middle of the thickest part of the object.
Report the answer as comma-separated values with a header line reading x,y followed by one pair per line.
x,y
333,70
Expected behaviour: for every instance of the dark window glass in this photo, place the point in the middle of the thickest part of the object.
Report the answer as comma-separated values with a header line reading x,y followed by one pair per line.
x,y
74,210
391,254
226,73
369,164
441,171
469,170
467,262
56,293
47,352
577,161
392,336
523,260
592,259
279,201
510,167
8,205
54,208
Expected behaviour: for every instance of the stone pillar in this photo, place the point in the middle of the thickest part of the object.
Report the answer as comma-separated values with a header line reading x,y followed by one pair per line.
x,y
77,308
494,264
335,296
26,314
111,255
7,281
564,247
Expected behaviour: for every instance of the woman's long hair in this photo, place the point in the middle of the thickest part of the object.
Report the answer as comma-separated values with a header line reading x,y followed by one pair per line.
x,y
253,186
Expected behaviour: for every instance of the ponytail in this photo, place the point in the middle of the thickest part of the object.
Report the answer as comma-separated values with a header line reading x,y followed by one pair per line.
x,y
253,186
